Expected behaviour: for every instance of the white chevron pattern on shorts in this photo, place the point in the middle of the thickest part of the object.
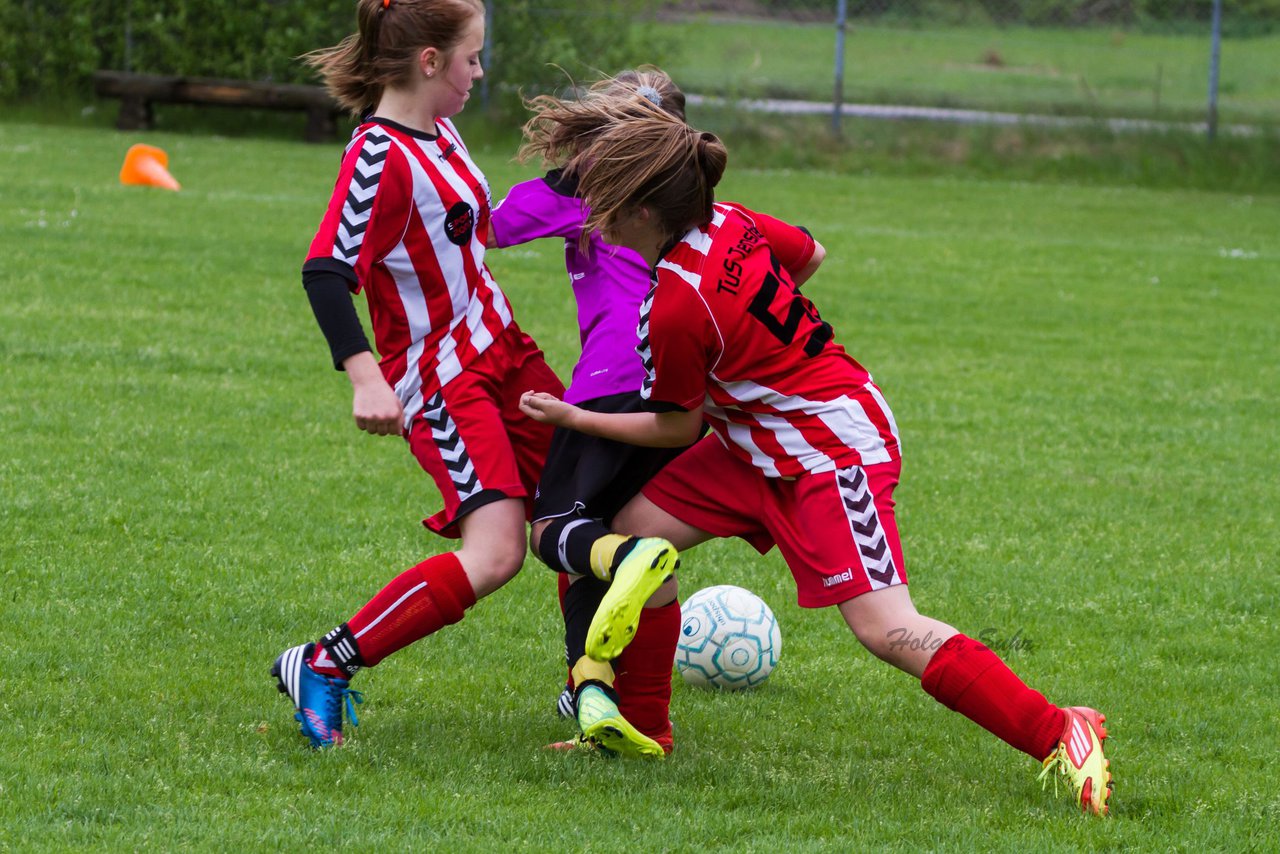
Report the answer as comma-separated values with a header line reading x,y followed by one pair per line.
x,y
448,442
864,524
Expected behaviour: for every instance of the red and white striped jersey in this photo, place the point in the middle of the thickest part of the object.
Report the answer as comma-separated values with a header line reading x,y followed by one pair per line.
x,y
725,326
407,224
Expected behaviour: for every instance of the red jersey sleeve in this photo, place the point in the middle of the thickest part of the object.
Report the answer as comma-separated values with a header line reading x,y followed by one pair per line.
x,y
679,344
368,211
792,245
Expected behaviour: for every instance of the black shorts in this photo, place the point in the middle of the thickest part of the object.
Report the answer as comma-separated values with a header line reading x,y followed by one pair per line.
x,y
593,477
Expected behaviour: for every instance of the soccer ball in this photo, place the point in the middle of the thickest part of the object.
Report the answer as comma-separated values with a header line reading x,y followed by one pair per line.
x,y
728,639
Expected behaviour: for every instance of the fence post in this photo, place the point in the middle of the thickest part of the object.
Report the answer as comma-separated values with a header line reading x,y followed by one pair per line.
x,y
486,54
837,100
128,36
1215,54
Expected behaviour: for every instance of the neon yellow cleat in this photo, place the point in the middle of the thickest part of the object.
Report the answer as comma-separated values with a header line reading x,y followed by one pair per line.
x,y
1079,760
604,725
649,563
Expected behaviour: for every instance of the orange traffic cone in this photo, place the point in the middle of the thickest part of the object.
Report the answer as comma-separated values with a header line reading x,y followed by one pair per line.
x,y
147,166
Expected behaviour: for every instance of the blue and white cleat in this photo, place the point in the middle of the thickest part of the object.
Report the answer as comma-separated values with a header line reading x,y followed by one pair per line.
x,y
566,706
317,698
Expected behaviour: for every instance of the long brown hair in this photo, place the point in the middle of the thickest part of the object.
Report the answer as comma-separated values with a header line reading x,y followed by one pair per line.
x,y
384,48
628,148
562,127
655,162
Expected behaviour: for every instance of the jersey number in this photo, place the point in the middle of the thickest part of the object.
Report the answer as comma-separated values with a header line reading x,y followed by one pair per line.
x,y
785,330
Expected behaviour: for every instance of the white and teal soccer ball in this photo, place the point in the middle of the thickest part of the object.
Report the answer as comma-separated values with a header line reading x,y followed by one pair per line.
x,y
728,639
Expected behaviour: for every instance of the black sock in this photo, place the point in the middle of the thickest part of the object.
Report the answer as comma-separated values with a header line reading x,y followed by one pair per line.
x,y
580,603
566,543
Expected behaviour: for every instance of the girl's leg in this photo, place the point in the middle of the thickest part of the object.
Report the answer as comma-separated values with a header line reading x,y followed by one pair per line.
x,y
957,671
643,518
644,667
431,595
967,677
886,622
641,675
418,602
492,544
613,708
643,671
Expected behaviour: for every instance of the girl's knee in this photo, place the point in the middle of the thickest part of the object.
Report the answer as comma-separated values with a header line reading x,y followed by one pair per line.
x,y
507,558
535,535
494,562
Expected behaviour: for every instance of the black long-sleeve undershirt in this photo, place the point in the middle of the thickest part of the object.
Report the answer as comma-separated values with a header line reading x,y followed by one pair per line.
x,y
328,285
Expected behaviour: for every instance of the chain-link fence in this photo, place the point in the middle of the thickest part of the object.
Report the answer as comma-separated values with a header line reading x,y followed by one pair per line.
x,y
1136,59
1133,59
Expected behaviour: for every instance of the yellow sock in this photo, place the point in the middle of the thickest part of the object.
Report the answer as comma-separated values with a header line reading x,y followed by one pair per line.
x,y
587,669
603,552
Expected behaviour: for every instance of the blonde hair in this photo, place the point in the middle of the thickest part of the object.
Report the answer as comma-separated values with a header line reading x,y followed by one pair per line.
x,y
384,48
628,148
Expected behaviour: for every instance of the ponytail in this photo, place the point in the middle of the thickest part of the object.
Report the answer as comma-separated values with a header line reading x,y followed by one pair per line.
x,y
712,158
656,162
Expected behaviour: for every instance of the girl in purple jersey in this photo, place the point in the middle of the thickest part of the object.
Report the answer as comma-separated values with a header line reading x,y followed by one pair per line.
x,y
586,480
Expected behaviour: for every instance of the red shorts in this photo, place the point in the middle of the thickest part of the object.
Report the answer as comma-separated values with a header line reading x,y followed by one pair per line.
x,y
835,529
472,438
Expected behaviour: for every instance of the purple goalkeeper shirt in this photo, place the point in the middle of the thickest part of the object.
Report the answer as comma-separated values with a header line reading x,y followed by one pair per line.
x,y
609,283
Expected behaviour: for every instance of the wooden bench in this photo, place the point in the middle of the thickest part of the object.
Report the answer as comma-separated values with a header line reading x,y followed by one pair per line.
x,y
137,93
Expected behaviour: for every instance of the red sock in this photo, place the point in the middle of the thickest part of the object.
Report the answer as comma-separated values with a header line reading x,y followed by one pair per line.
x,y
968,678
643,672
419,601
562,587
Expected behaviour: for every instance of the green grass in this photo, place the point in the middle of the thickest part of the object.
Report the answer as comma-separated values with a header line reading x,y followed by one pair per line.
x,y
1038,70
1088,155
1085,379
1080,155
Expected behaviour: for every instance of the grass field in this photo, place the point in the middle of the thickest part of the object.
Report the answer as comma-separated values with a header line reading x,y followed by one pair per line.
x,y
1086,382
1083,71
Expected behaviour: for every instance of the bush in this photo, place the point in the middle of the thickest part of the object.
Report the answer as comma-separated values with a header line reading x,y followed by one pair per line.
x,y
1240,17
51,48
535,44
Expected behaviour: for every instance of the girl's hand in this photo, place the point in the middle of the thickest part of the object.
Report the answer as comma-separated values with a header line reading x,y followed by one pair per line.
x,y
376,407
547,408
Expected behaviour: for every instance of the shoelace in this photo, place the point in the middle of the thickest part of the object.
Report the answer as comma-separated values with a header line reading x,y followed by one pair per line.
x,y
336,698
351,699
1057,761
1053,763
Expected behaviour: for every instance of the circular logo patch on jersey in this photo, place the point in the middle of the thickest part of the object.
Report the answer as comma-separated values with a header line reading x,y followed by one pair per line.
x,y
459,223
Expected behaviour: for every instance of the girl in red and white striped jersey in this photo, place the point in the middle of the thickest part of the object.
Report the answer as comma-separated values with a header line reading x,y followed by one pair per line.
x,y
805,454
407,224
